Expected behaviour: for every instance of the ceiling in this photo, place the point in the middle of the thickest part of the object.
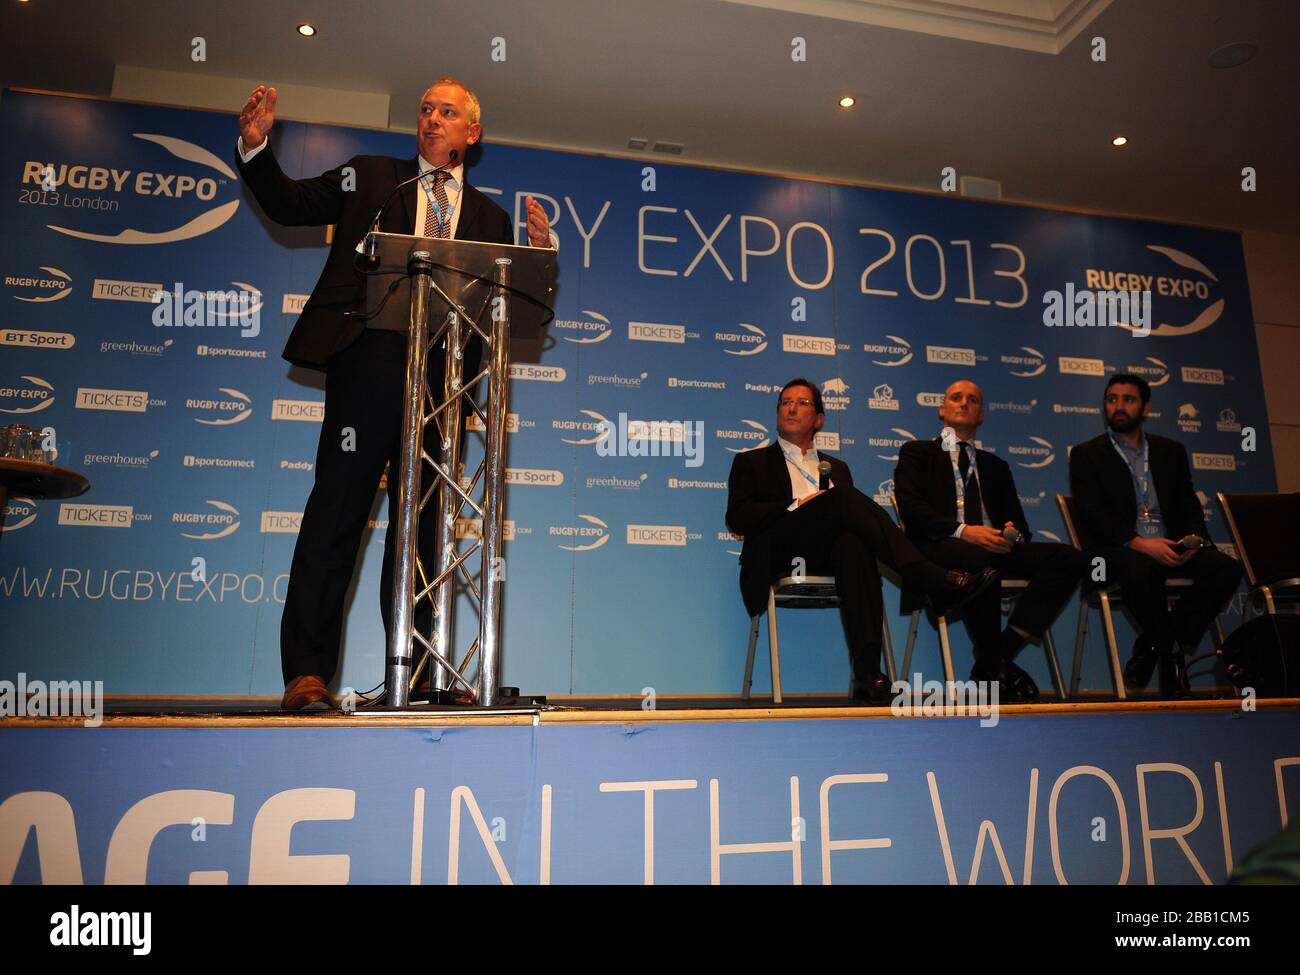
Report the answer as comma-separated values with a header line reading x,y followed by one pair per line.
x,y
971,84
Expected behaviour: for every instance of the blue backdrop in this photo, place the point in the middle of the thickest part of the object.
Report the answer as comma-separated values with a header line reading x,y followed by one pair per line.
x,y
686,294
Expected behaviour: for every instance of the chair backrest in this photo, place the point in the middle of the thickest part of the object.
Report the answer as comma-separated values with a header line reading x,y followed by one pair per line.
x,y
1066,504
1266,530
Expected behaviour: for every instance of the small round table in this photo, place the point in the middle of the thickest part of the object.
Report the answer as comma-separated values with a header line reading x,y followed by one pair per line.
x,y
34,479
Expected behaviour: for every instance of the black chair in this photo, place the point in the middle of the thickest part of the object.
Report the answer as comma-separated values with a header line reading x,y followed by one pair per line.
x,y
1011,590
1266,531
803,592
1104,598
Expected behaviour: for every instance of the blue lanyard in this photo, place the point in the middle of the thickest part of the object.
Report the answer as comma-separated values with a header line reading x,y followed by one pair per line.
x,y
1142,483
801,469
960,485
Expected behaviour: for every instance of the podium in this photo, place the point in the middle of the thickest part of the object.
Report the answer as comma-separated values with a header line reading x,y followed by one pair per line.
x,y
449,292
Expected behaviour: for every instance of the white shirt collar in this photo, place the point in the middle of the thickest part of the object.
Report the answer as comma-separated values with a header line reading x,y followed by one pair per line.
x,y
790,450
455,175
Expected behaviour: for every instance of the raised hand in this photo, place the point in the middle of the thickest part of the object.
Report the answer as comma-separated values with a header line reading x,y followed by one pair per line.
x,y
257,116
539,228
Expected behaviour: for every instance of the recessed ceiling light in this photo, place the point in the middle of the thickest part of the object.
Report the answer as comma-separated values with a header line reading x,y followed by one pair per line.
x,y
306,30
848,101
1233,55
1119,140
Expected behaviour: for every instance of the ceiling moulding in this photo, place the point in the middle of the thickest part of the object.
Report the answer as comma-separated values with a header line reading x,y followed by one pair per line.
x,y
1045,26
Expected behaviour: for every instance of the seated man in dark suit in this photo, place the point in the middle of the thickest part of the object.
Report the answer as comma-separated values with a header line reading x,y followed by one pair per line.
x,y
959,504
788,506
1137,510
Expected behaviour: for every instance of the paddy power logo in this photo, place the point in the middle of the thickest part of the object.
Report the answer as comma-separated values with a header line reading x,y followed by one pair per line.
x,y
76,185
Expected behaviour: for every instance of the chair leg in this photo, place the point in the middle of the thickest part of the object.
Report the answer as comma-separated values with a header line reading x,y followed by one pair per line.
x,y
773,646
1080,633
947,652
911,644
1054,665
1112,646
887,641
749,657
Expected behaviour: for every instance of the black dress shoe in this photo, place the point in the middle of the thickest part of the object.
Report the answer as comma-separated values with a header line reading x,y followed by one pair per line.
x,y
961,587
1138,671
875,690
996,673
1021,682
1173,674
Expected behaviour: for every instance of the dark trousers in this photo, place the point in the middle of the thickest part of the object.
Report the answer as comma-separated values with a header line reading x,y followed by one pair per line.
x,y
1053,572
844,533
1142,582
364,390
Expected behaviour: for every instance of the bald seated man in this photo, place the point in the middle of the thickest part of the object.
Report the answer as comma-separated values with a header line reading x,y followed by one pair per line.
x,y
960,507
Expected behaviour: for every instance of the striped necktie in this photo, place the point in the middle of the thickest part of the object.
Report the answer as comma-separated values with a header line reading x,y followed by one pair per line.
x,y
432,226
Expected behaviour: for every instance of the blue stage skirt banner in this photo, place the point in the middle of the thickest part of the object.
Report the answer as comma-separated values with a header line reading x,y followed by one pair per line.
x,y
687,296
1088,799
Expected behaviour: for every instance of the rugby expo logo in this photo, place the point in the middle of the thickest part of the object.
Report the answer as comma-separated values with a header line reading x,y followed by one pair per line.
x,y
598,426
592,534
37,289
241,308
1032,363
755,435
1180,295
107,190
751,341
17,512
236,408
33,397
596,328
899,348
1156,372
223,521
894,443
1039,454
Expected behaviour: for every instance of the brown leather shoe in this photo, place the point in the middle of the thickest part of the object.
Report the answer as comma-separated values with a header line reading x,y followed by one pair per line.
x,y
306,693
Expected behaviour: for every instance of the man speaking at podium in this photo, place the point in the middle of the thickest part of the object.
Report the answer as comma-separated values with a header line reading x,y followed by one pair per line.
x,y
365,369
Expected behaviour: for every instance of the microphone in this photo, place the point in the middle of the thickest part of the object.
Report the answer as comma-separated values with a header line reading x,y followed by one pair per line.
x,y
369,253
1012,534
823,475
1190,542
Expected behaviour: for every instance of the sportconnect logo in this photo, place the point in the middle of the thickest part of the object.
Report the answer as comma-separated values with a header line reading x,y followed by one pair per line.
x,y
103,189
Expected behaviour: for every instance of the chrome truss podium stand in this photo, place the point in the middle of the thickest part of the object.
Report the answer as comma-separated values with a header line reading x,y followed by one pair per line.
x,y
466,288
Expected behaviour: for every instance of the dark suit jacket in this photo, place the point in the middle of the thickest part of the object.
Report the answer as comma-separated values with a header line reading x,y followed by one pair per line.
x,y
322,330
758,494
927,497
1104,502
